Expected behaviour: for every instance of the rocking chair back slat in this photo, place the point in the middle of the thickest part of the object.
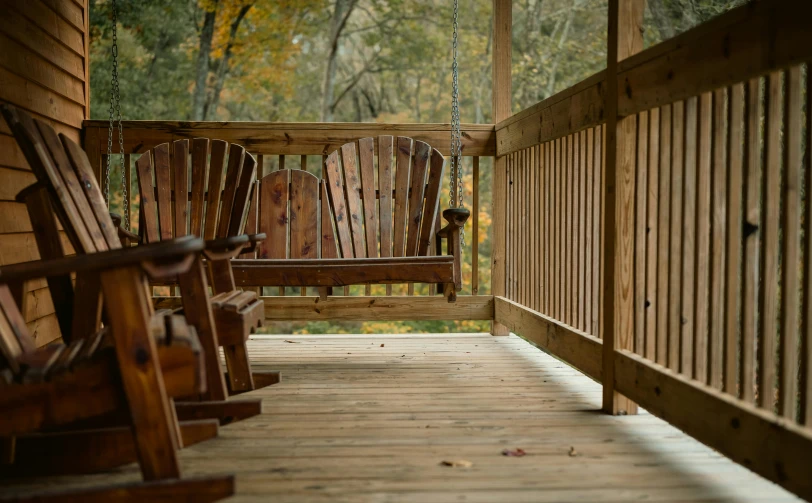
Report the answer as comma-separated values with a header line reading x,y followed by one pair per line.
x,y
148,224
304,211
44,168
87,180
338,204
71,183
366,158
273,217
14,338
236,155
180,169
417,186
163,182
403,169
352,188
200,161
385,191
216,169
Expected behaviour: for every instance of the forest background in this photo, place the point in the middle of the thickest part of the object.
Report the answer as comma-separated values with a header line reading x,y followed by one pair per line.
x,y
351,61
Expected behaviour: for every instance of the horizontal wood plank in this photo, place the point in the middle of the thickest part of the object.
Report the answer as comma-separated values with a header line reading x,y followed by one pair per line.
x,y
27,64
30,96
47,20
569,111
390,308
18,27
745,42
16,248
776,449
299,138
577,348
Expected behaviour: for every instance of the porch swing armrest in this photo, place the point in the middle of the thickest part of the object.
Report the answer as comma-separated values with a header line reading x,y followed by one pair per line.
x,y
127,238
456,218
225,248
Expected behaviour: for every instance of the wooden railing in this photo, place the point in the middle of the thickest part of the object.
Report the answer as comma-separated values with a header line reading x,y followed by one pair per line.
x,y
683,282
303,146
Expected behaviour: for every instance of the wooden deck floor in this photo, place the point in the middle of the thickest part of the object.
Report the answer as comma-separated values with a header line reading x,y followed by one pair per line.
x,y
370,419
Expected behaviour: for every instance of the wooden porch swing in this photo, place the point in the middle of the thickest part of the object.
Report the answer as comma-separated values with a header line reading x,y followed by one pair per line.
x,y
364,223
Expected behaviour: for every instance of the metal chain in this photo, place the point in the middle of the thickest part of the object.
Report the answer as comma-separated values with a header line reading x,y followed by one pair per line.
x,y
456,129
115,116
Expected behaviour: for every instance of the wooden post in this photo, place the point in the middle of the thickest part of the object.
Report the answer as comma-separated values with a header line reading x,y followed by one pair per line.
x,y
624,39
502,48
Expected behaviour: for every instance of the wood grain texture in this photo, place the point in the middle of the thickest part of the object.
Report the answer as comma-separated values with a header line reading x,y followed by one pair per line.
x,y
298,138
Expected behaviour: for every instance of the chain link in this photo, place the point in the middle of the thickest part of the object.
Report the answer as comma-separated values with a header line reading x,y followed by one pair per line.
x,y
456,128
115,117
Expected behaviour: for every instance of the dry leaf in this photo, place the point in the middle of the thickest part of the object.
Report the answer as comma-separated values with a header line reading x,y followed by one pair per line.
x,y
458,463
519,452
573,452
381,345
291,342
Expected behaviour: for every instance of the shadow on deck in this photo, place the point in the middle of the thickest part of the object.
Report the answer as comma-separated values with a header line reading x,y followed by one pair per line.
x,y
371,418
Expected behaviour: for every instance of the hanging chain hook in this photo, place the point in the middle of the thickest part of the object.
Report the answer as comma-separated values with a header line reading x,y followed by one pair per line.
x,y
115,117
456,128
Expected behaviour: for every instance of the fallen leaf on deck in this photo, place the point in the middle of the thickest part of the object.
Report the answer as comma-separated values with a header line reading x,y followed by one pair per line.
x,y
291,342
458,463
514,453
381,345
573,452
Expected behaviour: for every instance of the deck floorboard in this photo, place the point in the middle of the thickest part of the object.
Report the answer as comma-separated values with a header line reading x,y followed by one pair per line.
x,y
370,418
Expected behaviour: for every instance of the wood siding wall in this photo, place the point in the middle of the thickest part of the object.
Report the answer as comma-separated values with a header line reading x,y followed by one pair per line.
x,y
43,69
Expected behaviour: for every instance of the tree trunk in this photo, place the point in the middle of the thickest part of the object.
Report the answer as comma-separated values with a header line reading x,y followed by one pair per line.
x,y
338,21
561,41
210,110
202,67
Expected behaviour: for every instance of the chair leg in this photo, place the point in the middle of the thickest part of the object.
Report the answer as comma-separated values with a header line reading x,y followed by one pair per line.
x,y
262,379
197,309
155,434
199,490
240,378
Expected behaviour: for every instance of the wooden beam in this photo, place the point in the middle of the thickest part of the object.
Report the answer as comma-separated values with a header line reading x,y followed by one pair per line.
x,y
296,138
746,42
625,38
572,110
467,307
501,96
777,449
577,348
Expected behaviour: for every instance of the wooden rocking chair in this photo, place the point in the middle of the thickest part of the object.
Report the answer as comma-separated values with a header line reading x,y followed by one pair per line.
x,y
222,184
130,370
66,184
384,229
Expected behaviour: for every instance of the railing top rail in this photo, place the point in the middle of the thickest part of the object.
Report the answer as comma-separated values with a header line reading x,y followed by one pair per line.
x,y
298,138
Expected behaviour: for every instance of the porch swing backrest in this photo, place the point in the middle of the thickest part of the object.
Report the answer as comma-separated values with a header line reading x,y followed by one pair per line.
x,y
208,197
366,209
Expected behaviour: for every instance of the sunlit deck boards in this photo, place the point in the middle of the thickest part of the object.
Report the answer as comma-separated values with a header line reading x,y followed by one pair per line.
x,y
356,421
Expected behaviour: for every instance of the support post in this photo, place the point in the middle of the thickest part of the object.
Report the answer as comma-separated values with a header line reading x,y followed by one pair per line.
x,y
502,50
624,39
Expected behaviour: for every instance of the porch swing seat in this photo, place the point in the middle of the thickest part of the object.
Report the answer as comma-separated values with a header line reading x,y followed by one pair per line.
x,y
364,223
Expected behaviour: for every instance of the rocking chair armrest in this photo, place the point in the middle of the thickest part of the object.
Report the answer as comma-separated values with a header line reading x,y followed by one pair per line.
x,y
255,239
127,238
226,248
148,257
